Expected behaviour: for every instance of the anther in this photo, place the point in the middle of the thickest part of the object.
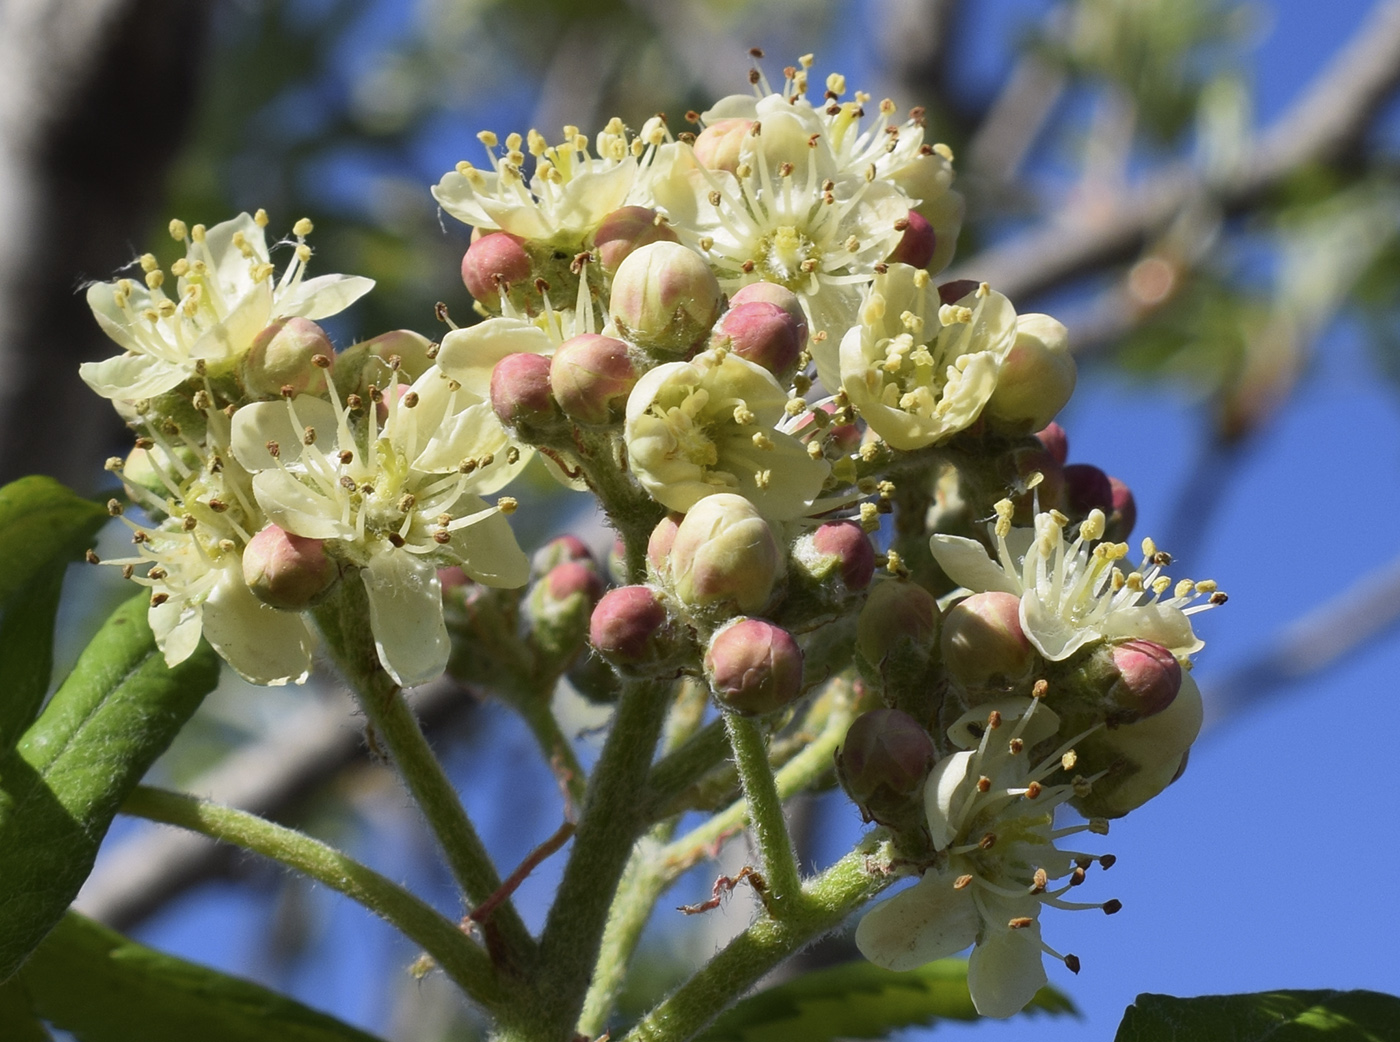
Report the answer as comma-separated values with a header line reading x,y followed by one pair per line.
x,y
507,504
1020,922
988,841
346,457
303,228
114,508
1033,790
442,537
1039,881
984,784
218,506
354,403
92,558
1072,963
1107,861
308,436
189,523
321,361
407,502
274,450
1016,745
288,391
128,570
396,540
962,882
409,400
1040,689
178,231
1077,876
157,599
1112,906
994,719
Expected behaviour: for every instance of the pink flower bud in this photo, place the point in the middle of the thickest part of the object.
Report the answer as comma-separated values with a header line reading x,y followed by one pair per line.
x,y
837,547
287,571
557,551
573,578
717,147
663,537
665,298
884,762
492,263
452,578
624,230
559,609
281,357
520,389
917,245
983,644
591,376
754,667
952,292
1123,517
1148,678
763,333
628,628
772,293
724,554
1087,488
899,618
1037,377
1055,441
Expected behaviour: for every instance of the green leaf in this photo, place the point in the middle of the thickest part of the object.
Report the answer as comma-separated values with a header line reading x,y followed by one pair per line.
x,y
43,526
859,1000
1278,1016
104,987
62,784
18,1022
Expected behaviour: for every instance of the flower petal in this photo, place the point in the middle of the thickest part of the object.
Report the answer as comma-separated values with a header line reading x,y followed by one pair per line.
x,y
405,615
965,561
469,355
930,920
322,296
258,424
292,506
1053,636
1159,623
262,644
944,795
486,548
1005,969
131,376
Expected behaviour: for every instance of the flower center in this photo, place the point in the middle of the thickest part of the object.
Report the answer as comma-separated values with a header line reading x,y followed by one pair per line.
x,y
781,255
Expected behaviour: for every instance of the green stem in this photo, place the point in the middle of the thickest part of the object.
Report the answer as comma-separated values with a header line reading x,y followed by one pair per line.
x,y
612,820
628,506
449,947
344,623
765,814
558,750
827,901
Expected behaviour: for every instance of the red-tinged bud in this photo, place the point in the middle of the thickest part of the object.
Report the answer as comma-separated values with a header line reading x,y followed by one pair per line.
x,y
772,293
663,537
952,292
560,607
1141,759
520,392
408,350
1087,488
559,550
452,578
883,764
898,623
1148,678
494,263
916,247
630,628
281,356
1055,441
836,549
718,146
665,298
627,229
1123,517
764,334
724,556
754,667
1037,377
287,571
984,647
591,376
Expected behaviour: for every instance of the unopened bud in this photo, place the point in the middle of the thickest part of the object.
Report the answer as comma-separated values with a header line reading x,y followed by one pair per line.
x,y
772,293
629,628
1147,679
560,607
724,554
663,537
494,263
281,356
520,392
665,298
287,571
591,377
916,247
719,145
899,621
1037,377
411,351
559,550
883,764
1055,441
626,230
837,549
983,644
956,290
763,333
1123,516
754,667
1086,488
1141,759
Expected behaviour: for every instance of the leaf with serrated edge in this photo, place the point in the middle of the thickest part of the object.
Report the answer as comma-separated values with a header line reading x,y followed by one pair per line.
x,y
1267,1016
859,1000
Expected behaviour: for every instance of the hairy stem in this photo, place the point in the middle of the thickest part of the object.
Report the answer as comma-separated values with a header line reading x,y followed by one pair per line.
x,y
765,813
460,958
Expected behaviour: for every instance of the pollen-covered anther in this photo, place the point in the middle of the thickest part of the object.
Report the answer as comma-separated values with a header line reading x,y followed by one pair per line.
x,y
407,502
1077,876
987,841
189,523
274,450
396,540
1016,746
91,557
442,537
346,457
507,504
1040,689
1069,759
994,719
1033,790
114,508
217,505
984,784
962,882
1020,922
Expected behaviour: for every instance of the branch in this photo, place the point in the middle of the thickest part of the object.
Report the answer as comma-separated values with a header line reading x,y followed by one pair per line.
x,y
1327,121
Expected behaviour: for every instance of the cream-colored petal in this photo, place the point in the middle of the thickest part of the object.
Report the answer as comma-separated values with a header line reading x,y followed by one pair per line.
x,y
322,296
262,644
965,561
456,194
487,549
176,625
405,615
259,424
931,920
469,355
292,506
945,792
131,377
791,479
1005,970
1053,636
231,338
1159,623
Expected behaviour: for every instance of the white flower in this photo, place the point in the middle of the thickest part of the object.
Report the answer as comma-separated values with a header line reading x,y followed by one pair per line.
x,y
193,564
568,196
395,496
991,817
1072,592
712,425
225,295
919,371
